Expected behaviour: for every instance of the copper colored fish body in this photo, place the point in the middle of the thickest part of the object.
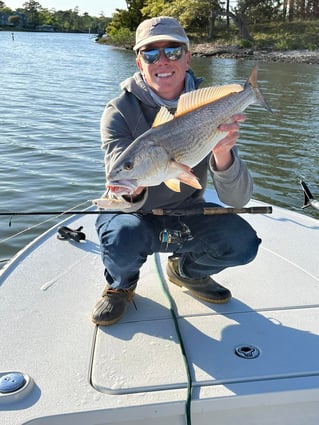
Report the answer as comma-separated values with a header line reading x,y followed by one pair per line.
x,y
176,143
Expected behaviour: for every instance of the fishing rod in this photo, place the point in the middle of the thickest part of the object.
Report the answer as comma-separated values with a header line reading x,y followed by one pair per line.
x,y
157,211
308,197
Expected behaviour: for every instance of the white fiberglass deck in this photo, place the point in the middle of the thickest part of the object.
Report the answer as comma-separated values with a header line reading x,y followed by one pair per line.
x,y
135,372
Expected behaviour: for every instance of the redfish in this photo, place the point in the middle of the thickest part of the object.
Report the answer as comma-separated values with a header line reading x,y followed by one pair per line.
x,y
177,142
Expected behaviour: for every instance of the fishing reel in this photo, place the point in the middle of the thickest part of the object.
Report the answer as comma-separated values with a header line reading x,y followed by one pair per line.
x,y
66,233
173,236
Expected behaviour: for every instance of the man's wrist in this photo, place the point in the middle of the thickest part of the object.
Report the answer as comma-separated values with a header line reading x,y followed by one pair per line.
x,y
221,163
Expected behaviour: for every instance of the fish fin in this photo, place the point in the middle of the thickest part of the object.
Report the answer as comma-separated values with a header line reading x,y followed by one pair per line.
x,y
183,173
185,176
190,179
252,81
193,100
173,184
162,117
201,97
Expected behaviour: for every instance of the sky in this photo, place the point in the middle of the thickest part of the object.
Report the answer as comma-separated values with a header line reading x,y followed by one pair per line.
x,y
92,7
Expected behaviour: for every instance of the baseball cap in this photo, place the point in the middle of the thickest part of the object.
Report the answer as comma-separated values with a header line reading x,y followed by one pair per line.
x,y
161,28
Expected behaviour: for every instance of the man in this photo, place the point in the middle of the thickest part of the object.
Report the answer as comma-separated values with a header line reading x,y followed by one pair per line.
x,y
201,245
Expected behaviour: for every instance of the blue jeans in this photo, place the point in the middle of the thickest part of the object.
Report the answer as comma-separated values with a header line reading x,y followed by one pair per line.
x,y
216,242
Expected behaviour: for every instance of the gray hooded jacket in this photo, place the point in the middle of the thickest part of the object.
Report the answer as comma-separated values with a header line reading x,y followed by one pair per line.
x,y
131,114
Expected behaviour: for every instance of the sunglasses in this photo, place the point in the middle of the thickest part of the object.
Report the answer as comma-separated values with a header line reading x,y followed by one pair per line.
x,y
152,56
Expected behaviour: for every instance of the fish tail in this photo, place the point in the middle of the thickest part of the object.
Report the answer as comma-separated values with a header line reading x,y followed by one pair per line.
x,y
252,82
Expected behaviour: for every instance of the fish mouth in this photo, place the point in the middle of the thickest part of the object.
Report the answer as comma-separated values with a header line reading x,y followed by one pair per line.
x,y
122,187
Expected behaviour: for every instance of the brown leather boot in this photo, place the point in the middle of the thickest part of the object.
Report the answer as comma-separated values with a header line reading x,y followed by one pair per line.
x,y
111,307
205,288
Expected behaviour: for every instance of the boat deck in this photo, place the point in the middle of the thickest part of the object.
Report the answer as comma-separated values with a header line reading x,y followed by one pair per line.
x,y
173,358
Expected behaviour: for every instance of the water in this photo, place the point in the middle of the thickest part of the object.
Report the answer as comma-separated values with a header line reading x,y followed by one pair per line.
x,y
279,148
53,91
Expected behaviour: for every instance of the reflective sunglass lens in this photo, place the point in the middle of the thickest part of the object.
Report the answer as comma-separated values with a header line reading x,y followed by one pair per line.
x,y
171,53
150,56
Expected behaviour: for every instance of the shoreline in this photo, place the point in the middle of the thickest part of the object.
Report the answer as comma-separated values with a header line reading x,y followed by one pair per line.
x,y
265,55
304,56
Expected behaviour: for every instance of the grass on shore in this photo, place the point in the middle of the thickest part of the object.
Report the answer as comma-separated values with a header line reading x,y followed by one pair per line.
x,y
297,35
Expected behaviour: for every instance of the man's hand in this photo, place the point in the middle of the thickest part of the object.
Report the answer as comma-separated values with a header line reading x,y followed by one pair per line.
x,y
222,151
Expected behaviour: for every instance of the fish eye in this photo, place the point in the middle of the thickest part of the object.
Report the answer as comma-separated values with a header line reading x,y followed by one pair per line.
x,y
128,165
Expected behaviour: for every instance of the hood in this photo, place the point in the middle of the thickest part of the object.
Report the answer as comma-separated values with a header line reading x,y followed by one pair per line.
x,y
137,86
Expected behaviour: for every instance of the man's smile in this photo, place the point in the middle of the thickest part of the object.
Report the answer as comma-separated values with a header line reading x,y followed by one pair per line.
x,y
164,74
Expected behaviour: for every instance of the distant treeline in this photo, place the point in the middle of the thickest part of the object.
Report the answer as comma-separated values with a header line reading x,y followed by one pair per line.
x,y
33,16
203,18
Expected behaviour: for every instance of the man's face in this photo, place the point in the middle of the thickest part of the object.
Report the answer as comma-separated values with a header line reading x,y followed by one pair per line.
x,y
165,77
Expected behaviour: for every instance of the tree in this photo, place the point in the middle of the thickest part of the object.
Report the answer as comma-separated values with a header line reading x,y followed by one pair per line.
x,y
227,12
240,23
128,19
194,15
302,9
214,11
32,9
256,11
284,9
291,11
14,20
5,9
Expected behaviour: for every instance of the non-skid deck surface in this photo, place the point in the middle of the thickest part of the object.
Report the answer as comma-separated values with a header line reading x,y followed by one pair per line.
x,y
135,371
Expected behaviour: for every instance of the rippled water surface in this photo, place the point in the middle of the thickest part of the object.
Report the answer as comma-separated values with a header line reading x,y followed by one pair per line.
x,y
53,91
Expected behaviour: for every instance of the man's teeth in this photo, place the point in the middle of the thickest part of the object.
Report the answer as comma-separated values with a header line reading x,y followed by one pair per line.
x,y
164,75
